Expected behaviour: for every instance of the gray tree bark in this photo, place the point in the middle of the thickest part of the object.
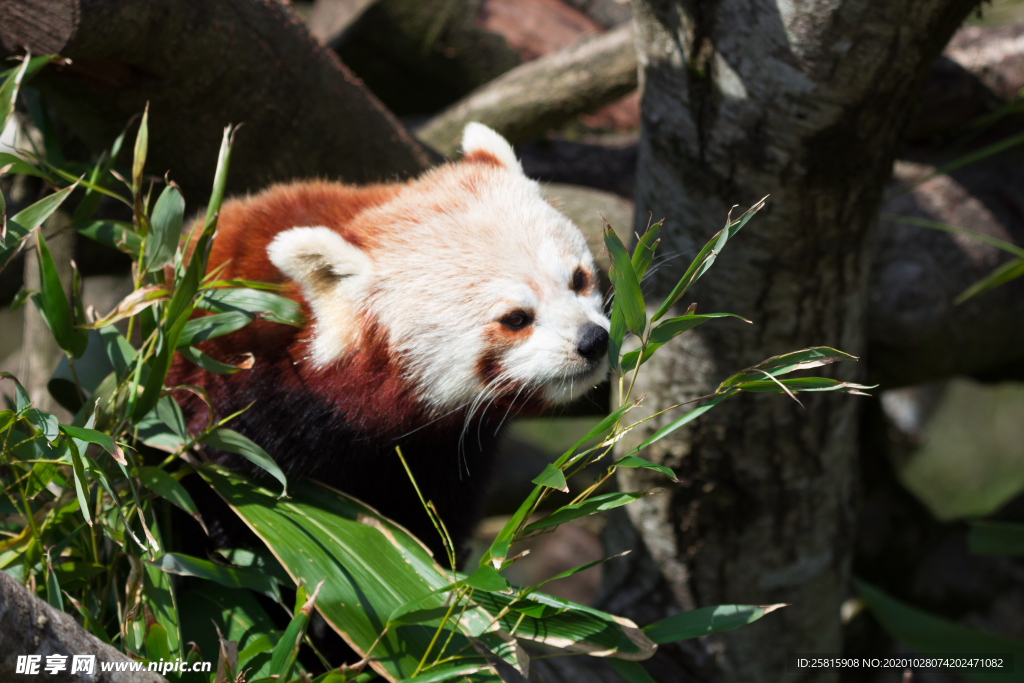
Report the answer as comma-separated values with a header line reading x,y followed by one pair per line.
x,y
804,102
32,627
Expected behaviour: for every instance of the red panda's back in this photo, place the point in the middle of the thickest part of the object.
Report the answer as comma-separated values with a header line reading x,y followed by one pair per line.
x,y
247,225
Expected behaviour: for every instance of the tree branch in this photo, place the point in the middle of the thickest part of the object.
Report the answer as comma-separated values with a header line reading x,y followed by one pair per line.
x,y
32,627
544,93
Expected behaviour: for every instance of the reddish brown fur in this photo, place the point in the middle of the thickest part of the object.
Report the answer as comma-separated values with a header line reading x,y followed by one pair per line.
x,y
245,228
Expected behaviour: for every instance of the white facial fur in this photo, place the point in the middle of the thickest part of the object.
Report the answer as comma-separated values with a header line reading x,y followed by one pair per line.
x,y
455,251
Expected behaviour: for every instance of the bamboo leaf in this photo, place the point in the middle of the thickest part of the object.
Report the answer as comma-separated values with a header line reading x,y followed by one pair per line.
x,y
927,634
9,90
264,304
212,326
706,620
667,330
233,442
643,254
589,506
487,578
684,419
372,567
53,306
34,215
552,477
628,297
200,359
165,229
1011,270
633,672
996,538
139,158
184,565
635,461
114,234
287,650
705,258
102,440
166,486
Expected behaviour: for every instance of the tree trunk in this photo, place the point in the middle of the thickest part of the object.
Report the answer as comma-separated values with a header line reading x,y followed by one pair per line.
x,y
807,104
32,627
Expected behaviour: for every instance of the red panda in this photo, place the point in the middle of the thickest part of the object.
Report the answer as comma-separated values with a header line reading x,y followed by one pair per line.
x,y
435,309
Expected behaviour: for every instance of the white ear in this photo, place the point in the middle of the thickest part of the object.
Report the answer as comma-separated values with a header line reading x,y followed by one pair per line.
x,y
333,275
479,140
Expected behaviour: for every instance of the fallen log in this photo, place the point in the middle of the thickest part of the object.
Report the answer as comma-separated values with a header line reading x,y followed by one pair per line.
x,y
544,93
32,627
202,66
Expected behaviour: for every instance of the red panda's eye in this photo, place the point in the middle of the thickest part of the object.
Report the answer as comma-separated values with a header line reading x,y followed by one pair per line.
x,y
516,320
579,280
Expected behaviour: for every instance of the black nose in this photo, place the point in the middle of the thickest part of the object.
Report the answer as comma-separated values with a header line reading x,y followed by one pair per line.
x,y
592,342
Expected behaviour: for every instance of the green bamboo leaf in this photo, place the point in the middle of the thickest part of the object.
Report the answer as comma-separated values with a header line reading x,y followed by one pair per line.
x,y
44,422
184,565
32,216
19,166
552,477
114,234
164,229
159,366
616,333
633,672
40,117
238,615
798,384
628,297
166,486
705,258
643,254
266,305
157,647
9,90
372,566
1008,247
567,626
706,620
141,149
220,178
99,475
41,475
1011,270
666,330
570,572
926,634
788,362
686,418
233,442
634,461
102,440
287,649
487,578
200,359
449,673
498,551
590,506
210,326
258,560
996,538
53,592
53,305
81,481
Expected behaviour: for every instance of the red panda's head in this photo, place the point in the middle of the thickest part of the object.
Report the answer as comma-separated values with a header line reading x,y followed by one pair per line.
x,y
483,290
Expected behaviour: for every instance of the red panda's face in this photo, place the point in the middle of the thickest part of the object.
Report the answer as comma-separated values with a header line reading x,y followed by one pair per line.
x,y
483,289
